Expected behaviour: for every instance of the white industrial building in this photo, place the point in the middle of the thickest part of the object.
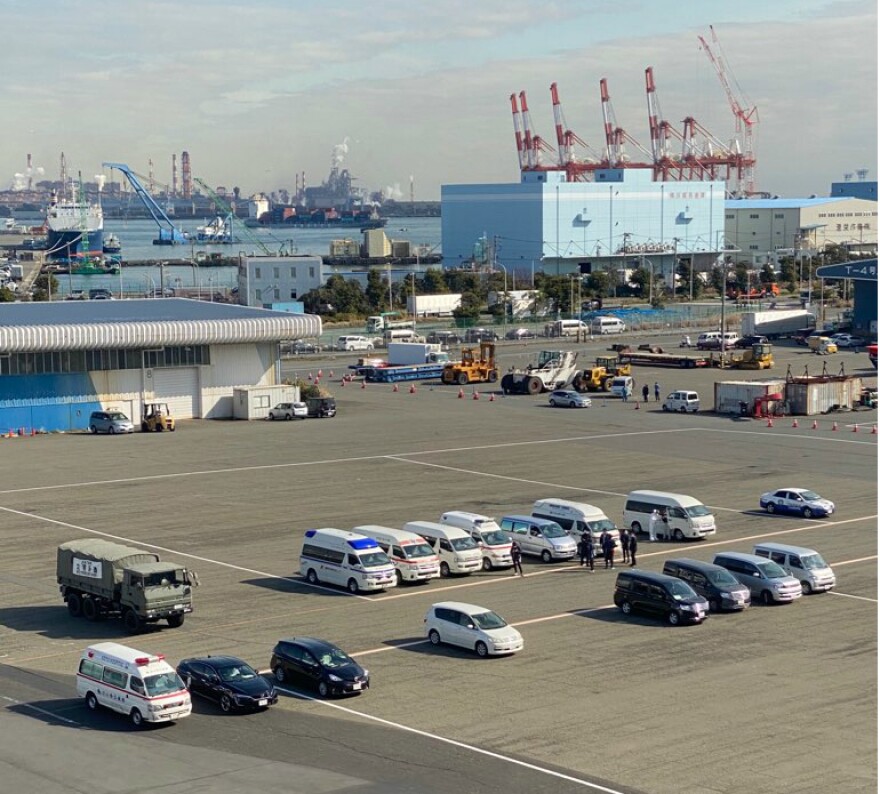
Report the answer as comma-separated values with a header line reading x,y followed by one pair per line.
x,y
60,361
762,226
268,281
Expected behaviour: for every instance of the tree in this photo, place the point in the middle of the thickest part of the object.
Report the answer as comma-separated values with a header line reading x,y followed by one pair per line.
x,y
599,284
377,290
639,278
6,295
433,283
45,286
788,273
463,281
716,279
471,304
555,291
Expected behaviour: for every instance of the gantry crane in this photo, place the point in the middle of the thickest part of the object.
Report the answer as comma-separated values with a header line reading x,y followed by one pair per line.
x,y
169,234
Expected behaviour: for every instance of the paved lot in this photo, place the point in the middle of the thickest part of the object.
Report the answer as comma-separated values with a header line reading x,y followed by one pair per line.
x,y
779,699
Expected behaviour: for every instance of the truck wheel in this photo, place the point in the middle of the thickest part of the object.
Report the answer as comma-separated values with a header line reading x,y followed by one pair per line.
x,y
176,621
90,609
636,527
74,605
493,375
311,576
447,377
91,701
353,587
578,384
607,384
462,379
137,719
534,385
132,622
506,383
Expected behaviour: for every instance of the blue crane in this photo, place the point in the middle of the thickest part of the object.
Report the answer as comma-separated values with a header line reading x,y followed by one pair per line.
x,y
169,234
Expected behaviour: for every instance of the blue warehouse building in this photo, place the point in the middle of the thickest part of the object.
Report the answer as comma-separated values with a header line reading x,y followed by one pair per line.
x,y
624,216
61,361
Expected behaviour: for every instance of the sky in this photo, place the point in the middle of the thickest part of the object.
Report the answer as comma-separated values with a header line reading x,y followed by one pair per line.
x,y
412,93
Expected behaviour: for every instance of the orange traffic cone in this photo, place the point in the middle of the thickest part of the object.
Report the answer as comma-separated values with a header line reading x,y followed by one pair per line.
x,y
412,388
834,426
331,373
310,376
769,421
342,383
476,395
320,373
461,394
795,423
637,405
395,388
874,430
815,425
492,400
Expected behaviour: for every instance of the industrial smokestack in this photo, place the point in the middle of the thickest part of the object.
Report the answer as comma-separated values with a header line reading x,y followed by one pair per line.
x,y
173,176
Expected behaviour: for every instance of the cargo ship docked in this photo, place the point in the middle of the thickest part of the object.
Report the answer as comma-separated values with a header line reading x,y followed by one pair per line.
x,y
75,230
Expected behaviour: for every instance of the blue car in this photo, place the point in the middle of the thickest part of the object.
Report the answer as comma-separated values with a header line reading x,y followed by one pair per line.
x,y
799,501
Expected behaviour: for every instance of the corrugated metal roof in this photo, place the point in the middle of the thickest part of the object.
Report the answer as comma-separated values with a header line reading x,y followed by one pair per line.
x,y
87,325
780,203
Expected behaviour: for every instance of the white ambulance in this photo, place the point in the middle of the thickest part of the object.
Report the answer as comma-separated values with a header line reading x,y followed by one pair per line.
x,y
139,684
347,559
413,559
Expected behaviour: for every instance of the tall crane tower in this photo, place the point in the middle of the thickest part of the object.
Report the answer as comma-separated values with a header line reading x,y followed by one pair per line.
x,y
745,119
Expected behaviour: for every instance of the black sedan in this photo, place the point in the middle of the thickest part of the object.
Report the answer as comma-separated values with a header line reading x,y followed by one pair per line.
x,y
318,664
233,683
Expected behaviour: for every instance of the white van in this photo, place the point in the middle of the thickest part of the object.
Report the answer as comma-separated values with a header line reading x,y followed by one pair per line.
x,y
682,401
577,518
539,537
141,685
401,335
621,384
607,325
413,559
345,559
485,530
457,550
709,340
805,565
568,328
354,343
685,517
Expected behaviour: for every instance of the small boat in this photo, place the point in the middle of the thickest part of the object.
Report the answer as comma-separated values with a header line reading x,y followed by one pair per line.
x,y
218,231
112,245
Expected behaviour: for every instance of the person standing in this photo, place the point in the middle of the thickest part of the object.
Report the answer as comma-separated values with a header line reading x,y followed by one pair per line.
x,y
633,548
624,544
656,392
652,525
516,558
624,394
590,551
608,551
645,392
586,540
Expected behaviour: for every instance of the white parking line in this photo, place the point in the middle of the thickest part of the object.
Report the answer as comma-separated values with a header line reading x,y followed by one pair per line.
x,y
853,562
454,742
849,595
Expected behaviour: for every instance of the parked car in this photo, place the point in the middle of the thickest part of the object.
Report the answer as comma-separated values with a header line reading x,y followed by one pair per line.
x,y
348,343
229,681
682,401
469,626
518,334
444,338
321,407
480,335
289,411
796,500
110,422
848,340
746,342
99,293
563,398
660,595
318,664
301,346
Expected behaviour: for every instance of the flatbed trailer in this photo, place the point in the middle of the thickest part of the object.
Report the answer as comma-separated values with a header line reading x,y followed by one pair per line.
x,y
679,360
393,374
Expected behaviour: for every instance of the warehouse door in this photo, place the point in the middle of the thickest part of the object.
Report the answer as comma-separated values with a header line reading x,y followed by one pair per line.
x,y
179,387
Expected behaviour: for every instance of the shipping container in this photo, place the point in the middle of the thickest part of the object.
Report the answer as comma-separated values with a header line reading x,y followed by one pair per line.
x,y
730,394
819,395
254,402
401,248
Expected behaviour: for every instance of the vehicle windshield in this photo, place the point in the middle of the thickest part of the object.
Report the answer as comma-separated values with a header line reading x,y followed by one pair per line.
x,y
680,590
553,530
118,417
601,526
771,570
463,544
335,657
698,510
723,578
813,562
237,672
494,538
418,550
488,620
373,559
164,579
810,496
163,684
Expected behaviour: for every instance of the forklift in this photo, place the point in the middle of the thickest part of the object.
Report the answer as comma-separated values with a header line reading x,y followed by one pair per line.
x,y
155,417
599,377
472,369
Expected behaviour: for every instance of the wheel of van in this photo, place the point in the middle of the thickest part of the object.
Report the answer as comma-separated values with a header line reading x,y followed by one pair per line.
x,y
626,608
806,588
353,586
89,609
487,564
323,689
74,605
678,535
279,674
673,618
399,577
546,556
767,598
112,430
462,378
311,576
534,385
771,508
132,622
682,410
665,407
636,527
444,569
482,649
369,347
137,719
434,636
93,430
91,701
807,512
176,621
226,703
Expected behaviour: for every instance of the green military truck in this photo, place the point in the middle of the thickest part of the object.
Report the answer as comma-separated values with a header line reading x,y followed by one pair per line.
x,y
100,579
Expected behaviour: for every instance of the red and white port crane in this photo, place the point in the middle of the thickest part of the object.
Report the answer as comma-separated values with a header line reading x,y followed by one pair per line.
x,y
745,120
576,170
535,146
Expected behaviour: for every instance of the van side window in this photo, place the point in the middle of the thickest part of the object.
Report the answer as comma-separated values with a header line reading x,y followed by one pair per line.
x,y
445,544
353,560
534,532
91,669
465,620
657,592
137,686
640,588
697,579
795,562
396,551
565,523
777,557
115,677
446,614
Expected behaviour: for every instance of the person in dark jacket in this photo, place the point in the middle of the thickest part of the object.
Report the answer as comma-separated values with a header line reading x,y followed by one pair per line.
x,y
591,552
645,392
608,551
586,540
624,543
516,558
633,548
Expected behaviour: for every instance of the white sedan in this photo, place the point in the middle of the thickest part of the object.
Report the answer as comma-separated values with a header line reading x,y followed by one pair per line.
x,y
847,340
289,411
564,398
799,501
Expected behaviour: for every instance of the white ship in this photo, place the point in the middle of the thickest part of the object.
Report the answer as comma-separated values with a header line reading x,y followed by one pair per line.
x,y
75,229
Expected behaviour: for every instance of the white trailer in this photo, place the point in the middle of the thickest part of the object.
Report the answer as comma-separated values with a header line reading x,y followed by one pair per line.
x,y
437,305
776,323
408,353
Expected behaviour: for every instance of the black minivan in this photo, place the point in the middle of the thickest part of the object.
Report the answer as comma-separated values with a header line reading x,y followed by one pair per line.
x,y
321,406
717,585
659,594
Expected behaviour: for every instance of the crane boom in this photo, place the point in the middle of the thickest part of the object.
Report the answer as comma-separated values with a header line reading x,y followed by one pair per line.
x,y
225,206
169,234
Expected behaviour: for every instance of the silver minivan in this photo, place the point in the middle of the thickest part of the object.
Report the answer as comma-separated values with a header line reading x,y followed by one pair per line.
x,y
805,565
765,579
110,422
539,537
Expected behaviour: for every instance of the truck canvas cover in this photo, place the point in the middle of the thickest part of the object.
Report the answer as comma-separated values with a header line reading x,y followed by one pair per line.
x,y
93,549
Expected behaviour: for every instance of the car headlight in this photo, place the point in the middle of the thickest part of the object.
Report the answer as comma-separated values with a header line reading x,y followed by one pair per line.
x,y
366,673
334,678
686,608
